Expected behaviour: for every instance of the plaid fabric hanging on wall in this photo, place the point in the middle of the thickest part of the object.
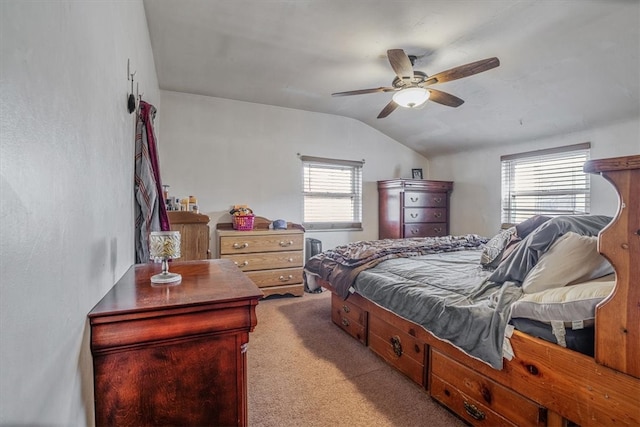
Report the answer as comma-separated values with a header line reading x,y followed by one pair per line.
x,y
150,209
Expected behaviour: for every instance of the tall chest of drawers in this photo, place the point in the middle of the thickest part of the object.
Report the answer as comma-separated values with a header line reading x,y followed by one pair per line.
x,y
272,259
413,208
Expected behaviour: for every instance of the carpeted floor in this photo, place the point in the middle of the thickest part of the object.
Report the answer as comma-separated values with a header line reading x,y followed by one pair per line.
x,y
304,371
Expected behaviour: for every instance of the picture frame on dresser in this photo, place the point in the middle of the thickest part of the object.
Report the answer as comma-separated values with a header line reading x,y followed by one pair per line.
x,y
416,173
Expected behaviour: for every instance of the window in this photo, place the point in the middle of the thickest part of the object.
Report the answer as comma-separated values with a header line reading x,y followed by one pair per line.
x,y
545,182
332,191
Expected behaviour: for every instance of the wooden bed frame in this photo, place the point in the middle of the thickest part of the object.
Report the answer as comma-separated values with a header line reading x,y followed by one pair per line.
x,y
544,384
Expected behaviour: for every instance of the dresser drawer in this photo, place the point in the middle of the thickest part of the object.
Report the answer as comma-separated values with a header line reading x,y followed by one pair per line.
x,y
468,409
283,276
268,242
432,229
398,348
267,260
463,389
349,317
412,215
424,199
348,309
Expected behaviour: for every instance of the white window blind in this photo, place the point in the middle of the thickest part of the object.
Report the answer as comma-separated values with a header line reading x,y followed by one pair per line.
x,y
332,191
545,182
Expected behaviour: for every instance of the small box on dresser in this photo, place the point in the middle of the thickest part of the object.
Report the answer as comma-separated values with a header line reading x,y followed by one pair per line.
x,y
272,259
413,208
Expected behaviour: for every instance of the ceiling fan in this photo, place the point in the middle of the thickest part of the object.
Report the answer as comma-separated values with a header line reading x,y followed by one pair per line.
x,y
410,86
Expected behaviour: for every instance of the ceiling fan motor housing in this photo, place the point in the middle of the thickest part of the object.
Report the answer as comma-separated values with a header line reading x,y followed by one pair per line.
x,y
418,78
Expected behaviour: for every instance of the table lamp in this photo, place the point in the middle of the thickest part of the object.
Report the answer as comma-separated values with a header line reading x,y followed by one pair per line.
x,y
165,245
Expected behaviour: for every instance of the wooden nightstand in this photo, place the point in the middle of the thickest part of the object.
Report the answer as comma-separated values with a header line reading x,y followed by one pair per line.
x,y
273,259
174,354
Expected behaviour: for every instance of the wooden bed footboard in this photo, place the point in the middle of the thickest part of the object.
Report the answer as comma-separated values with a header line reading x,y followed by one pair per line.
x,y
544,384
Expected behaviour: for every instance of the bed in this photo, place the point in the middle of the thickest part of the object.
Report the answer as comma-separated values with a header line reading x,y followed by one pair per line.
x,y
498,330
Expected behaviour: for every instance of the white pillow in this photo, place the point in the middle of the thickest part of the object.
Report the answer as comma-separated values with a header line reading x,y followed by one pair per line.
x,y
571,259
569,304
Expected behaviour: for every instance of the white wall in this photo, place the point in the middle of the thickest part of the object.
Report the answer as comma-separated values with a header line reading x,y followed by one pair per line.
x,y
475,201
229,152
66,196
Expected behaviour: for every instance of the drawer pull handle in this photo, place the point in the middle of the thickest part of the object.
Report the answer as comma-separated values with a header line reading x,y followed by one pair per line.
x,y
437,199
473,411
346,308
415,231
286,279
414,215
240,245
290,259
397,345
438,229
437,214
345,322
244,264
285,244
414,199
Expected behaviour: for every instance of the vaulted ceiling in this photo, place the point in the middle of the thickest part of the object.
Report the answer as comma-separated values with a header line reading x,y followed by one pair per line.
x,y
565,66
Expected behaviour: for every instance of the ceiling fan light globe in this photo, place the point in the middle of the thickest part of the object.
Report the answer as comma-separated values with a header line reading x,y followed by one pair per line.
x,y
411,97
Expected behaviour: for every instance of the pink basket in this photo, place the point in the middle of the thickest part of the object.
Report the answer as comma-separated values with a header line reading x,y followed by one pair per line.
x,y
243,222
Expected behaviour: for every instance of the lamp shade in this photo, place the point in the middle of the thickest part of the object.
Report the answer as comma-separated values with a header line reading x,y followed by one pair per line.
x,y
411,97
165,245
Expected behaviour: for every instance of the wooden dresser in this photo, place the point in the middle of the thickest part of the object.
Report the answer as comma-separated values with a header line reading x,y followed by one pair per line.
x,y
174,354
273,259
194,234
413,208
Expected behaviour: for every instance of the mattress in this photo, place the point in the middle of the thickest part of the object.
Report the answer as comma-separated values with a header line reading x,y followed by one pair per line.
x,y
563,315
580,340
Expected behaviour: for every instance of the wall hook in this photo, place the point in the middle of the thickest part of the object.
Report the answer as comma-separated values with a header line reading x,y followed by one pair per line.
x,y
131,101
139,96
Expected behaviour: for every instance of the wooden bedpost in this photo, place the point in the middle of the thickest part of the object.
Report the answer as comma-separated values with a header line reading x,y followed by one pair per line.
x,y
617,338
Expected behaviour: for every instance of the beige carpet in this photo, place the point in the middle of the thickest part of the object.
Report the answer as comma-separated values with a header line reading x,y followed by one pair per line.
x,y
304,371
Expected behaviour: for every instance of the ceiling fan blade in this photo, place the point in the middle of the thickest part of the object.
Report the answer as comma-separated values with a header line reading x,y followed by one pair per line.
x,y
400,63
444,98
364,91
388,109
464,71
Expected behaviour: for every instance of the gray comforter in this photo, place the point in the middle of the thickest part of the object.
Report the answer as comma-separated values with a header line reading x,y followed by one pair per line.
x,y
449,295
446,291
341,266
526,254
